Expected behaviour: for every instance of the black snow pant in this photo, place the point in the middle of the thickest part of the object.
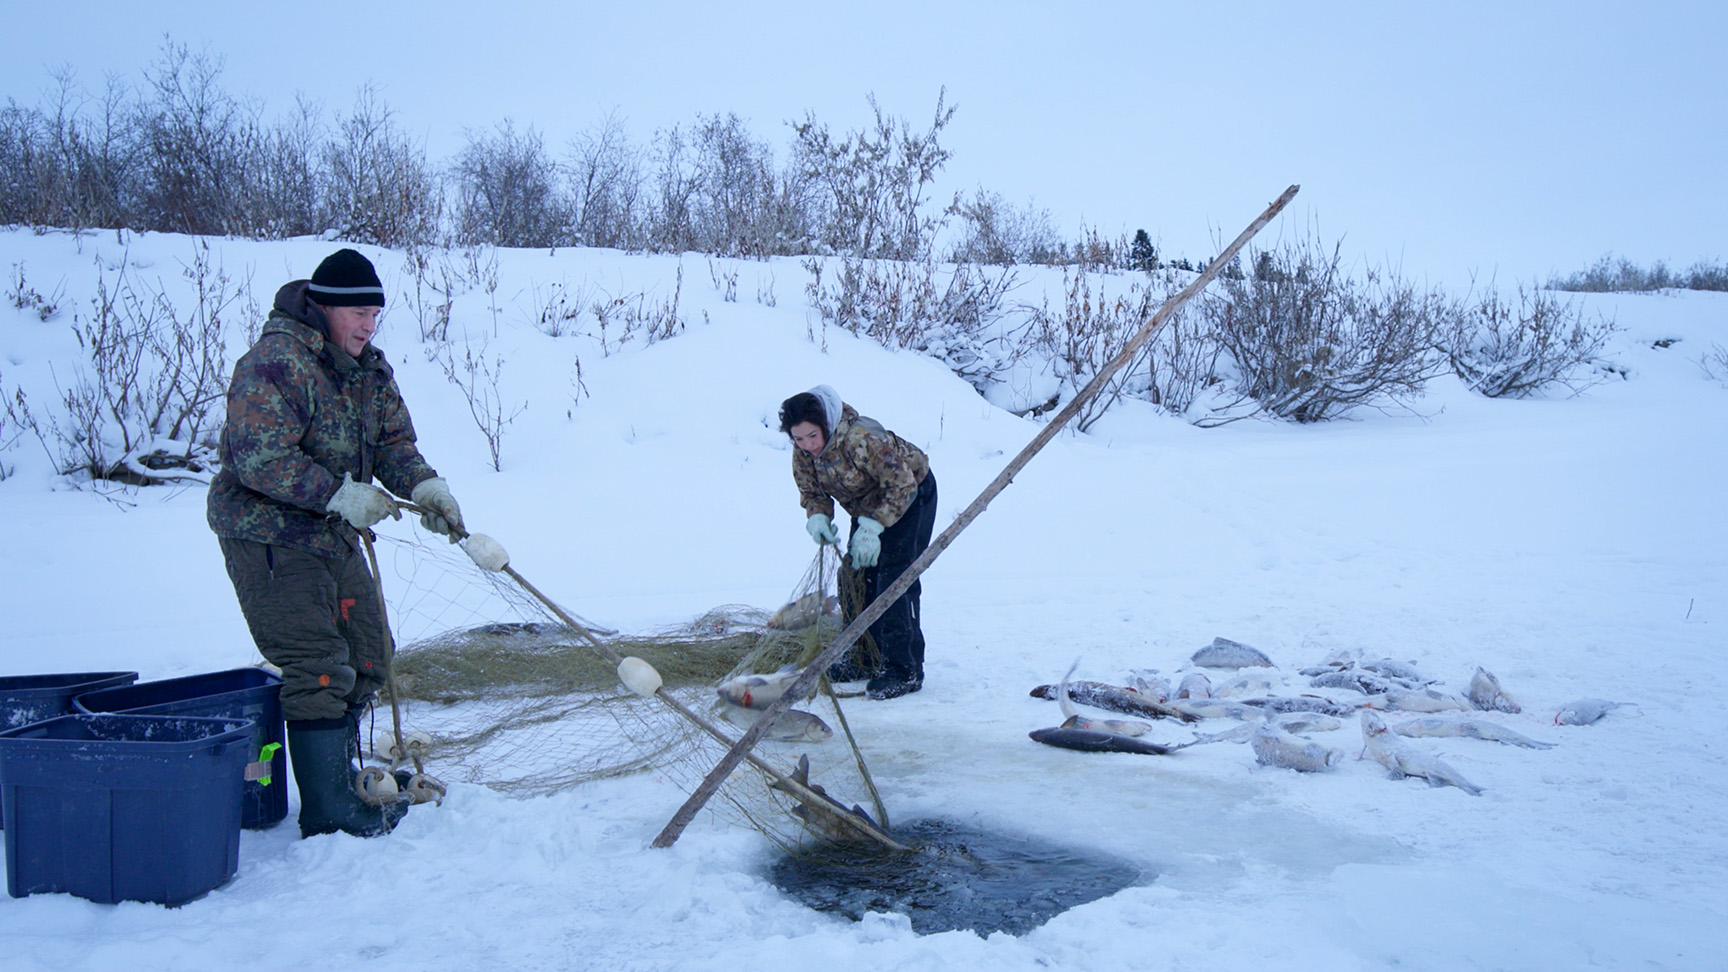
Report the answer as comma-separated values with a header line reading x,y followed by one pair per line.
x,y
317,619
897,633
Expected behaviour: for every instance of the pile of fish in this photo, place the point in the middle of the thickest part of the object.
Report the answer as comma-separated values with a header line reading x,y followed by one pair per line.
x,y
1230,680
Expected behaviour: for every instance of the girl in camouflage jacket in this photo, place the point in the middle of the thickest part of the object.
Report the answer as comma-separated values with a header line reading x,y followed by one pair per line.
x,y
885,484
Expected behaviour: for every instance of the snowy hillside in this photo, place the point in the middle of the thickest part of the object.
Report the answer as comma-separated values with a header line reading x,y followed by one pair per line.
x,y
1573,546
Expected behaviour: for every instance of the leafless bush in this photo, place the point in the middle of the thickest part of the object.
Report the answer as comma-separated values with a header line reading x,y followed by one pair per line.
x,y
1172,370
1507,350
740,206
558,309
198,140
725,281
379,188
606,184
22,295
1612,274
947,314
1714,364
995,232
1311,342
509,192
477,374
618,320
143,406
286,197
872,184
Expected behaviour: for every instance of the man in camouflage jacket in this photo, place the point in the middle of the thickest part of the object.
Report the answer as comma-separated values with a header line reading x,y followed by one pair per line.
x,y
885,483
314,414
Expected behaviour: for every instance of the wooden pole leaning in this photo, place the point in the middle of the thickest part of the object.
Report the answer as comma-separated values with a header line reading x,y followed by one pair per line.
x,y
852,632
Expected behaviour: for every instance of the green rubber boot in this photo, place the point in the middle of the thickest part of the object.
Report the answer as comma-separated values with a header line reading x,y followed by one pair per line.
x,y
322,752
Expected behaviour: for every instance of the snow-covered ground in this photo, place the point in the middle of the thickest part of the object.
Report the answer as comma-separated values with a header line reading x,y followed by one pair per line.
x,y
1574,546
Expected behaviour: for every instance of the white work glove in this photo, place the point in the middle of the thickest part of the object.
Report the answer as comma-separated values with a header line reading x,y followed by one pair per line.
x,y
442,514
821,529
362,504
866,542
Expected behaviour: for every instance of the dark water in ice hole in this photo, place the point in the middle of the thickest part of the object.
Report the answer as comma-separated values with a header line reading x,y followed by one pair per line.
x,y
958,878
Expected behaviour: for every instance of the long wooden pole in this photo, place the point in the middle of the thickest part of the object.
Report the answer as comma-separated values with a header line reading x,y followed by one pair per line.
x,y
852,632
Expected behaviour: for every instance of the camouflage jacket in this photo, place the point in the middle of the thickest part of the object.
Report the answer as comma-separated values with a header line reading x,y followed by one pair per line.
x,y
870,470
301,412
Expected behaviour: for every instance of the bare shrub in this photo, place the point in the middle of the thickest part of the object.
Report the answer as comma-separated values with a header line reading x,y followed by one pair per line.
x,y
995,232
1311,342
509,191
143,407
872,183
22,295
1093,327
1714,364
558,309
606,185
378,187
477,375
198,140
285,183
618,320
1504,349
947,314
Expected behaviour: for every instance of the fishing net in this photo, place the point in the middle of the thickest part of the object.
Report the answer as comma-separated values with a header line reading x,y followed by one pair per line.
x,y
510,697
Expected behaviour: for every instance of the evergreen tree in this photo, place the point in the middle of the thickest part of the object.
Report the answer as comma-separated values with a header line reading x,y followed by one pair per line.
x,y
1142,255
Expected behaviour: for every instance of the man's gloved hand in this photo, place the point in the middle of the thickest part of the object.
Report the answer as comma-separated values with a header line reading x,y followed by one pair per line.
x,y
866,542
362,504
442,514
821,529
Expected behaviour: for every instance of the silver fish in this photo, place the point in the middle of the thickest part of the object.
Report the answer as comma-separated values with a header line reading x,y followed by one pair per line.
x,y
1194,685
1224,653
792,725
1335,661
1115,698
1396,669
1194,710
1306,722
1468,729
758,691
1074,720
1485,693
1358,680
1289,722
1583,712
1242,685
1426,700
1301,703
1379,743
825,815
1275,747
1093,741
805,611
1151,685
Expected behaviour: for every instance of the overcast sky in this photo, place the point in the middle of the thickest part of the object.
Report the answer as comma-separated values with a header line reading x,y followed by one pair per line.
x,y
1451,138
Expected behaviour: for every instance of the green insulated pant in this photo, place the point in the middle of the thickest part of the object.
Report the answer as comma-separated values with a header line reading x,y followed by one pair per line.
x,y
317,619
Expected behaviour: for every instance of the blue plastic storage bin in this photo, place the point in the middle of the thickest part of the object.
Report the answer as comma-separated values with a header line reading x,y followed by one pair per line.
x,y
31,698
123,807
241,693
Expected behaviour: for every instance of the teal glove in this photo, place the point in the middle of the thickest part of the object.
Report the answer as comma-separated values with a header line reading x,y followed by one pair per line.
x,y
821,529
866,542
362,504
442,514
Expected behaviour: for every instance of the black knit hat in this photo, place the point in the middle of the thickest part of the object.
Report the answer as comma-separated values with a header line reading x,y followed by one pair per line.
x,y
346,279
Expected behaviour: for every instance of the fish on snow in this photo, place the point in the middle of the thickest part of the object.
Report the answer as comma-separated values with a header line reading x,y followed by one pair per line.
x,y
1379,743
1486,694
1224,653
1468,729
1275,747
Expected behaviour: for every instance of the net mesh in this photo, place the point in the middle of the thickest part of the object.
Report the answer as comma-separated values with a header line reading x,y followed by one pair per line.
x,y
514,699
